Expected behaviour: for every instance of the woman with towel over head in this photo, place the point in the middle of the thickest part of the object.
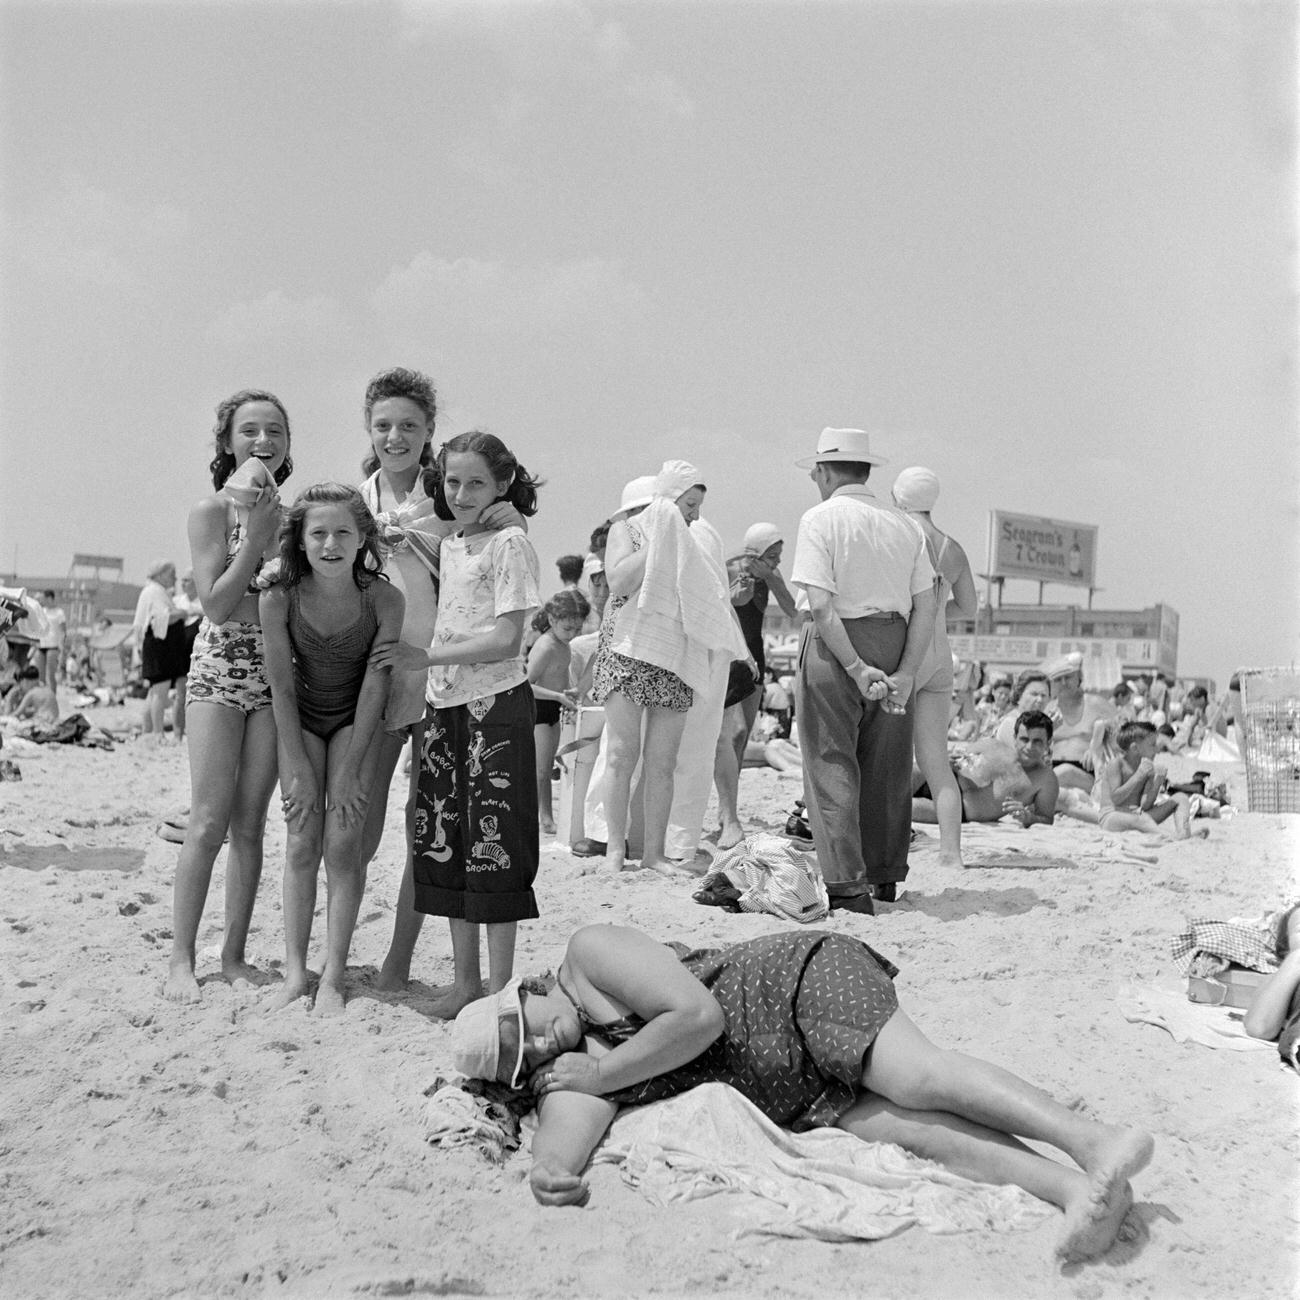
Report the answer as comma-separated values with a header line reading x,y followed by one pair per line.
x,y
916,490
667,611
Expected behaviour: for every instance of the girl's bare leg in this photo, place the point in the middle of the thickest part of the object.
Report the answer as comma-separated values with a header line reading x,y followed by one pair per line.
x,y
216,735
178,709
468,978
726,778
156,710
345,878
930,743
407,922
622,749
302,857
501,954
258,773
546,738
663,734
930,1088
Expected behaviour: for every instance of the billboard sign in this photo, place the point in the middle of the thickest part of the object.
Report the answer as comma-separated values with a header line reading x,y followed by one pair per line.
x,y
1042,550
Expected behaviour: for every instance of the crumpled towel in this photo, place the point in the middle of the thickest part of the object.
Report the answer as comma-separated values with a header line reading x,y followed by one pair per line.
x,y
770,874
1207,947
1188,1022
824,1184
465,1113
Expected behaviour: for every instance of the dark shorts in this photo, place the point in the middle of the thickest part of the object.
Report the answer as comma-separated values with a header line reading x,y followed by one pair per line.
x,y
548,712
166,659
475,835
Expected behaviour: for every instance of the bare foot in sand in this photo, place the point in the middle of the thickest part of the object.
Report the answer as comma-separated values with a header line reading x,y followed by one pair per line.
x,y
546,826
180,984
731,835
293,988
667,867
329,997
450,1004
1093,1221
951,862
393,976
241,972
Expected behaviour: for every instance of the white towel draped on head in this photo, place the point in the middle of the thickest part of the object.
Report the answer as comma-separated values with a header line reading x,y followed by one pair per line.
x,y
682,611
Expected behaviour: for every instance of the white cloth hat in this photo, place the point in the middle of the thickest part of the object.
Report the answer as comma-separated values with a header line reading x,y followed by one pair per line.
x,y
842,444
476,1034
675,478
638,492
916,488
759,537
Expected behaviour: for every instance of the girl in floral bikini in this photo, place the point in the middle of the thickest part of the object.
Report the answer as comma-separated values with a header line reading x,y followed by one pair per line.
x,y
231,728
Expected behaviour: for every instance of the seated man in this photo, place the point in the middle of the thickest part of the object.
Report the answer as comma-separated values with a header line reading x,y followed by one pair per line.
x,y
997,781
31,699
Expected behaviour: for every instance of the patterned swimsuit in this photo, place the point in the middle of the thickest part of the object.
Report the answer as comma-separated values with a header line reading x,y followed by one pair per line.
x,y
801,1011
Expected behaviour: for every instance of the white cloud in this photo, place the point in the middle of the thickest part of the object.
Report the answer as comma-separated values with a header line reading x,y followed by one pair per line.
x,y
95,237
466,297
555,42
276,326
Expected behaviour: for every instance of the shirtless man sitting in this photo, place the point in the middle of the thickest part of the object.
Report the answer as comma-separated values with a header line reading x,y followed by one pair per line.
x,y
997,781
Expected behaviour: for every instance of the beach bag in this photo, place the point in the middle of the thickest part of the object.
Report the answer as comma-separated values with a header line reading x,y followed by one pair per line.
x,y
767,873
741,681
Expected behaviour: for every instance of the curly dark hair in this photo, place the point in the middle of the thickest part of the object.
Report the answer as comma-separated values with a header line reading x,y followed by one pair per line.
x,y
416,387
223,463
294,567
522,489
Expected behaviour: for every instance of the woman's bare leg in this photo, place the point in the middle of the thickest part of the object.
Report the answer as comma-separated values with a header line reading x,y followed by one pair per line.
x,y
935,1086
178,708
726,778
663,735
622,749
930,743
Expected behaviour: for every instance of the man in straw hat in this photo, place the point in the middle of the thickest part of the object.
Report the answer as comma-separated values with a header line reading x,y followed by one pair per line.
x,y
867,582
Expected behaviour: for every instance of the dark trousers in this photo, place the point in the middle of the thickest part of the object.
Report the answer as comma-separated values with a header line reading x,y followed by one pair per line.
x,y
857,769
476,845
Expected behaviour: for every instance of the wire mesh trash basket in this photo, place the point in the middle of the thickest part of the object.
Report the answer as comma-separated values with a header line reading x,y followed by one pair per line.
x,y
1270,706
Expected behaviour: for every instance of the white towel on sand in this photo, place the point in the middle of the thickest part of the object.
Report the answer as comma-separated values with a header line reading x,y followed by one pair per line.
x,y
824,1184
1188,1022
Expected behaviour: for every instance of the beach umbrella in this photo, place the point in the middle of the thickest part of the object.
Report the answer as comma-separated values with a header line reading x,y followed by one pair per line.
x,y
22,617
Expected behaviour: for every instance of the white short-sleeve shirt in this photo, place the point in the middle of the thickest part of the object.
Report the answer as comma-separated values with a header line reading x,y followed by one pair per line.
x,y
482,577
870,556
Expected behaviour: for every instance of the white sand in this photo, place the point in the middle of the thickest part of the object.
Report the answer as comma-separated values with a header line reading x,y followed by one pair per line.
x,y
152,1150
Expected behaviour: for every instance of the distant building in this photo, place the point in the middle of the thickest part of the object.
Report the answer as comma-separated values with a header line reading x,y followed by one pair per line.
x,y
91,588
1112,641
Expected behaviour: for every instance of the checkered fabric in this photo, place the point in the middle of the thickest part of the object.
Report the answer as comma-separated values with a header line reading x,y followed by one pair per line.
x,y
1207,947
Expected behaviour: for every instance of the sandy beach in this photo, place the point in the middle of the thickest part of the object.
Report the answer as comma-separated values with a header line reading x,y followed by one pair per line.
x,y
160,1150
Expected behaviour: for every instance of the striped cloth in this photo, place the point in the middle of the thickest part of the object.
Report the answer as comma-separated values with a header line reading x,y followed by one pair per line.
x,y
413,525
774,876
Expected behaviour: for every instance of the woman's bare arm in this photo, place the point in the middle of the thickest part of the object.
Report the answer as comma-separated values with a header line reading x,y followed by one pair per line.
x,y
1268,1012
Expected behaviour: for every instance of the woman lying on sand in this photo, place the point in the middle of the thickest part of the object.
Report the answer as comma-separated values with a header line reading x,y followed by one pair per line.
x,y
807,1026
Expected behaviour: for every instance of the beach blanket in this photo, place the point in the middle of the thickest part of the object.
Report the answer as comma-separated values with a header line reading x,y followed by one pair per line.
x,y
1187,1022
825,1184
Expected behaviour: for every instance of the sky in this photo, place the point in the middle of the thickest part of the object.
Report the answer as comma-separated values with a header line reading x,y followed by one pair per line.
x,y
1046,249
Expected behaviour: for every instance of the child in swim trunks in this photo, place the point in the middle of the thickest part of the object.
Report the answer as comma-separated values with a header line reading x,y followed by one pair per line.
x,y
331,609
1126,791
548,674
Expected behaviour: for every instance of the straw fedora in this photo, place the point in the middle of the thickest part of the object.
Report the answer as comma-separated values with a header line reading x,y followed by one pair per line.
x,y
843,444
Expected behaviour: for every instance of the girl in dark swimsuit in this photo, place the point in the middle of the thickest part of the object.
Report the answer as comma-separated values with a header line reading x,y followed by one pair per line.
x,y
320,625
